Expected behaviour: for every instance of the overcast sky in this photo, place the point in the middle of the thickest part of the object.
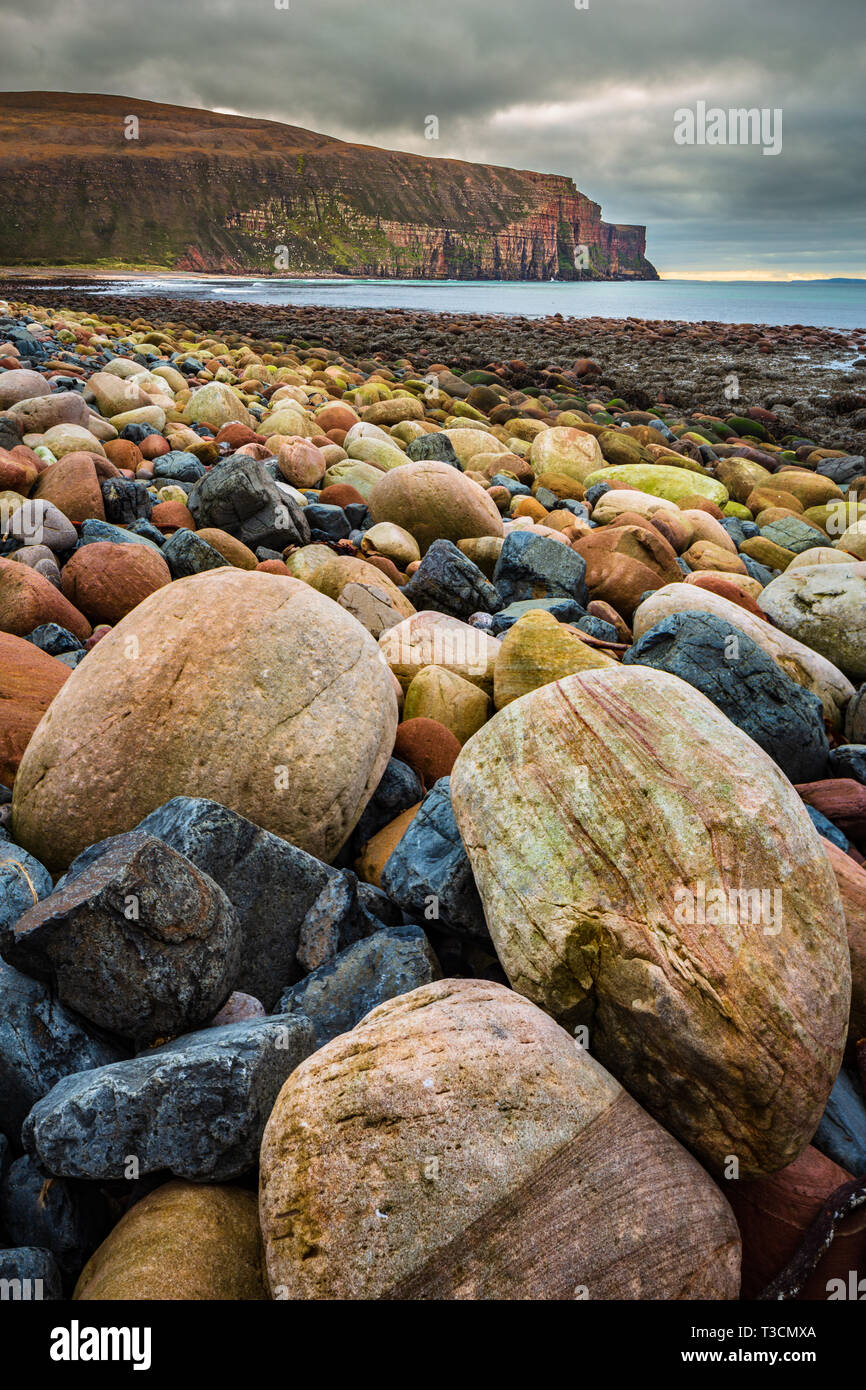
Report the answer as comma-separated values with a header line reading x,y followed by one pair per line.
x,y
535,84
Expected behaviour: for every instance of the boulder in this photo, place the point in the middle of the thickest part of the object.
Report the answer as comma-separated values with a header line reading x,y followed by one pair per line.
x,y
536,650
239,495
532,567
245,689
433,501
446,581
72,485
106,581
427,872
701,935
823,606
29,600
184,1242
447,698
451,1177
434,639
29,680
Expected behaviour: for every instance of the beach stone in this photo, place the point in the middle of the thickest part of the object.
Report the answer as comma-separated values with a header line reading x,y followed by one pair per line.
x,y
565,610
186,553
774,1214
842,800
432,501
743,682
741,477
72,486
849,761
229,547
572,453
138,941
427,746
240,496
23,882
841,1135
622,562
271,884
660,480
113,395
327,523
615,502
447,581
434,639
21,385
105,581
41,523
185,1241
474,1167
37,1209
792,534
337,995
533,567
399,789
35,1269
301,463
823,606
238,1008
371,605
220,715
705,555
392,541
623,947
29,600
179,466
428,873
125,501
345,911
851,882
92,531
536,650
216,405
439,694
40,1042
855,717
39,414
797,660
195,1107
433,448
29,680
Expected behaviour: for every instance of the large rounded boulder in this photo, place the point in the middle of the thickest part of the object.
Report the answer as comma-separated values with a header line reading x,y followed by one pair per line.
x,y
459,1144
433,501
649,872
240,686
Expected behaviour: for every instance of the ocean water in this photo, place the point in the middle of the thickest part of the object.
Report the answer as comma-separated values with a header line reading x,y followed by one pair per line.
x,y
822,303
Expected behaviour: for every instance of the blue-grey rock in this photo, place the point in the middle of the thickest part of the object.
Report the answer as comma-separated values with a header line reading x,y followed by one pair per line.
x,y
739,530
72,659
196,1107
270,883
597,627
399,788
186,553
5,1156
146,531
179,466
341,992
40,1042
239,495
327,522
125,500
532,566
545,497
23,882
855,717
53,639
849,761
595,492
139,942
345,911
511,485
758,571
434,446
93,531
30,1275
428,873
825,827
565,610
744,683
447,581
841,1134
844,469
70,1219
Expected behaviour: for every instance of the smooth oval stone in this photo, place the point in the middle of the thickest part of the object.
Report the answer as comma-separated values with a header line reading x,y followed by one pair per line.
x,y
726,1015
824,607
433,501
661,480
392,1170
245,688
187,1241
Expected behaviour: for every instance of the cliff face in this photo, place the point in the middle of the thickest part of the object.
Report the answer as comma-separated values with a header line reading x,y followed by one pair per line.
x,y
200,191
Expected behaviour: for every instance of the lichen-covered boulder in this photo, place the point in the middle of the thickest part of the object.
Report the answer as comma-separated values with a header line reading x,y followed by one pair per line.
x,y
648,871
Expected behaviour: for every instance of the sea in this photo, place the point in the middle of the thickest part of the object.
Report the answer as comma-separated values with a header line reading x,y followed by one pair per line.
x,y
837,304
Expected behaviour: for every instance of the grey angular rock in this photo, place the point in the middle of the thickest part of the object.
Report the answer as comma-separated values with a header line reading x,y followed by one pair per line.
x,y
855,717
742,681
93,530
196,1107
844,469
23,882
428,874
447,581
531,567
138,941
849,761
399,788
40,1043
187,553
125,500
30,1275
341,992
326,522
792,533
240,496
270,883
69,1219
345,911
565,610
433,446
180,466
841,1135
